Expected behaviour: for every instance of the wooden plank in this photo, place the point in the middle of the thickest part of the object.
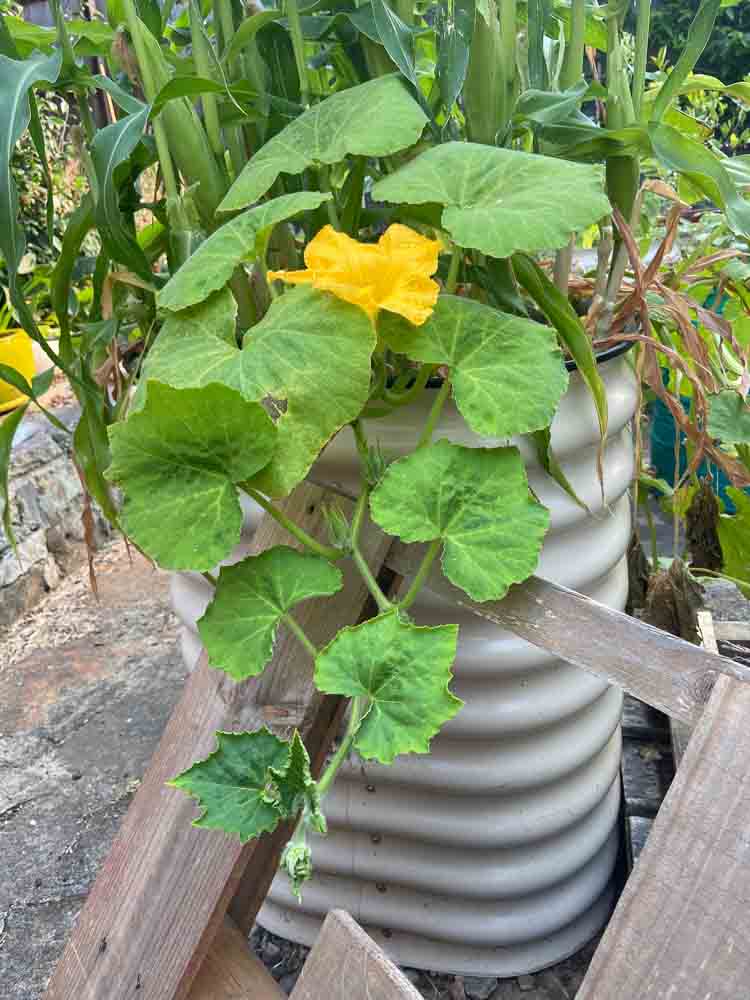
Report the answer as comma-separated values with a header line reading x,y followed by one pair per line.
x,y
732,631
161,895
232,972
681,929
668,673
346,964
681,732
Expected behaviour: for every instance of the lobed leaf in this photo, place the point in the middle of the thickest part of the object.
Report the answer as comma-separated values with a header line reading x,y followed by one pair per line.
x,y
499,201
405,670
178,461
729,417
251,600
312,350
213,263
377,118
507,372
237,786
477,501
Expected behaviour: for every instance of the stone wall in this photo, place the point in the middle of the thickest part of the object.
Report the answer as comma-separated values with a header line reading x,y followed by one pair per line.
x,y
46,504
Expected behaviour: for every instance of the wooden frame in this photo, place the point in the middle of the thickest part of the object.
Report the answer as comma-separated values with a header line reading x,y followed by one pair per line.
x,y
157,908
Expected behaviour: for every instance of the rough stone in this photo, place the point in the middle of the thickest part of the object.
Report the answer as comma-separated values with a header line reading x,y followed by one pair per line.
x,y
46,504
479,988
86,688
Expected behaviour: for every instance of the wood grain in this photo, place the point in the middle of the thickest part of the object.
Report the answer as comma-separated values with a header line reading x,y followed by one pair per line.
x,y
346,964
232,972
162,893
680,732
681,929
668,673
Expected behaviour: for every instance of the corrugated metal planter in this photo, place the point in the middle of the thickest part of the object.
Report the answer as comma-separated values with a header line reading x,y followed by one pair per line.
x,y
494,853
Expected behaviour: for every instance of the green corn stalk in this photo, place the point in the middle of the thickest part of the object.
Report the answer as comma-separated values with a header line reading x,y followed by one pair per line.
x,y
178,130
486,88
204,65
572,68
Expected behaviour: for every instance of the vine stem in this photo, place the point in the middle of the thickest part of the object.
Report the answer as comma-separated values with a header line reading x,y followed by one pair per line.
x,y
299,633
421,575
357,711
211,579
359,560
434,415
452,279
326,551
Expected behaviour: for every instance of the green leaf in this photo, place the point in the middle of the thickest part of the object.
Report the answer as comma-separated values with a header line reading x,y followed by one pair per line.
x,y
377,118
734,537
507,372
397,39
92,454
178,461
38,386
499,201
704,170
477,501
313,350
565,320
79,225
455,31
213,263
405,671
112,146
16,81
697,38
247,31
195,347
296,789
549,462
237,784
729,417
549,106
8,429
252,598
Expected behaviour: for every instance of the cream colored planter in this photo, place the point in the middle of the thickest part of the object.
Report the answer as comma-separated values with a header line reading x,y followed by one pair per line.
x,y
494,853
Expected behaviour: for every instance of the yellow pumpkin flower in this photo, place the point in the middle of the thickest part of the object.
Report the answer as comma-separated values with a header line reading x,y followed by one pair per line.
x,y
392,274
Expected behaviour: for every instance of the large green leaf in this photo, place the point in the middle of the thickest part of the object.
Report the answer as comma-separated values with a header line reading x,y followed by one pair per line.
x,y
252,598
212,264
734,536
561,314
729,417
477,501
195,347
16,81
500,200
507,372
239,785
111,148
8,429
178,461
377,118
312,350
404,670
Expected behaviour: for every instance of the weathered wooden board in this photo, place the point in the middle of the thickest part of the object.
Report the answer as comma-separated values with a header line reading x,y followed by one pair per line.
x,y
668,673
732,631
162,893
681,929
231,971
346,964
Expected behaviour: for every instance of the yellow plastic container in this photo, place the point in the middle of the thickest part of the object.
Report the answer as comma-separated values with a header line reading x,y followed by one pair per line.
x,y
15,351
